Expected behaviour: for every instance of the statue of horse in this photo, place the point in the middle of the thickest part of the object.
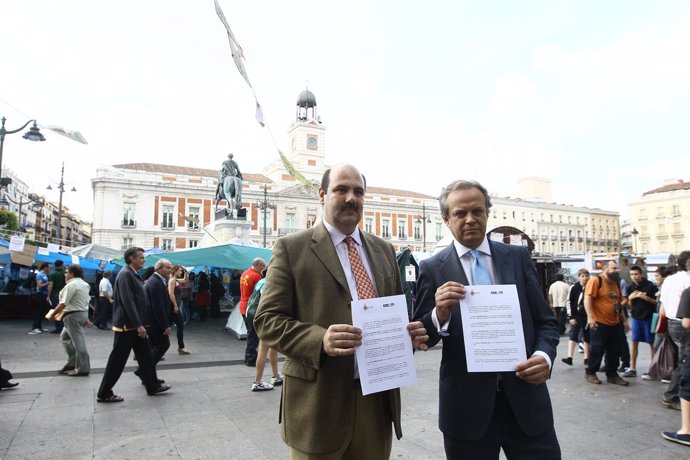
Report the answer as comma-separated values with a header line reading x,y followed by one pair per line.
x,y
230,189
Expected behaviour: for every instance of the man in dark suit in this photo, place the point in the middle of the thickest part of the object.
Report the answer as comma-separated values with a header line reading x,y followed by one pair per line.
x,y
482,412
159,309
130,319
305,314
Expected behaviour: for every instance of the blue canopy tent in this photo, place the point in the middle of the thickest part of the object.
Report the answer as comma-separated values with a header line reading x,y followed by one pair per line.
x,y
231,256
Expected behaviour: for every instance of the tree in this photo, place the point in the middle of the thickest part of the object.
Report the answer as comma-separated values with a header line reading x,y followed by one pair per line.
x,y
9,220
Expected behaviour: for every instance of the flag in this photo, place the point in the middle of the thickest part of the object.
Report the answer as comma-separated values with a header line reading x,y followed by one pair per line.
x,y
260,114
293,172
235,48
74,135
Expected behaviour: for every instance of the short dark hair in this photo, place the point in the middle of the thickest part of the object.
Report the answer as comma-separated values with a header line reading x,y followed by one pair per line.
x,y
131,252
59,263
636,268
75,270
461,185
44,265
559,277
683,258
326,180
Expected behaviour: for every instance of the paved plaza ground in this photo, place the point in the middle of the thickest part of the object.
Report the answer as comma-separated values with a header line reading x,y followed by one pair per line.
x,y
211,412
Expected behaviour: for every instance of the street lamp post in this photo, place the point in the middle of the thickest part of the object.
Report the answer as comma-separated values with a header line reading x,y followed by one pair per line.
x,y
424,220
61,189
264,204
34,134
634,234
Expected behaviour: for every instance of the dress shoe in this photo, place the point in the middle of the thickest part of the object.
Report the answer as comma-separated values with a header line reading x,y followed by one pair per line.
x,y
65,370
7,385
163,387
592,378
568,361
617,380
137,372
76,373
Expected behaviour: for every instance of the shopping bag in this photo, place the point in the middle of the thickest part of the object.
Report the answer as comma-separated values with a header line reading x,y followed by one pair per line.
x,y
665,359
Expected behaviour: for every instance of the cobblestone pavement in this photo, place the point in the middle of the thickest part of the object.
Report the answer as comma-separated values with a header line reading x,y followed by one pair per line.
x,y
211,412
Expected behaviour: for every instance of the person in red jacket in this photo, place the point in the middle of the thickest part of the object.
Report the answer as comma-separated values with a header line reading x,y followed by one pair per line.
x,y
248,280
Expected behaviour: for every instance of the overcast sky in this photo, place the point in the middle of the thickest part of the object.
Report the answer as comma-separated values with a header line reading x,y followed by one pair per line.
x,y
592,95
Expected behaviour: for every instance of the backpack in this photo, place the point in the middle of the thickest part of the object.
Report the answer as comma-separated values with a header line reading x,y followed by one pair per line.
x,y
254,299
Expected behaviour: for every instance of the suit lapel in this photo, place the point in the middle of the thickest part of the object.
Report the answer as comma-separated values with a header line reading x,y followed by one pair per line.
x,y
324,250
503,264
451,268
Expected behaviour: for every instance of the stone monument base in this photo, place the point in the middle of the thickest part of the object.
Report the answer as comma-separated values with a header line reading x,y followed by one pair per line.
x,y
227,230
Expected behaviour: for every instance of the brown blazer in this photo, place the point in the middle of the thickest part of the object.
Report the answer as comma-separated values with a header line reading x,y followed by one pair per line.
x,y
305,292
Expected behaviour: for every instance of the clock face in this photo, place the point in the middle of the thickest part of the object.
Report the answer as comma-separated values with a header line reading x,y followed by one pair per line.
x,y
312,142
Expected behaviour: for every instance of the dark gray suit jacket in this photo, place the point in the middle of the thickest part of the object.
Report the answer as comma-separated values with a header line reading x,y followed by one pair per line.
x,y
467,399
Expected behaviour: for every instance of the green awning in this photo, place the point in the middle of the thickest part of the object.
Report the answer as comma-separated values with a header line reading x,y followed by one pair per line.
x,y
230,256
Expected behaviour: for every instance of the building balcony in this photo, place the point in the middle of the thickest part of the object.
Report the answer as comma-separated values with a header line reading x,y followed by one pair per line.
x,y
662,236
167,227
287,231
562,238
129,224
265,230
580,239
554,238
402,237
677,234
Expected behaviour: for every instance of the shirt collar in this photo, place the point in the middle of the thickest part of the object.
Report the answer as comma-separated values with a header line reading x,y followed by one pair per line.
x,y
337,236
484,248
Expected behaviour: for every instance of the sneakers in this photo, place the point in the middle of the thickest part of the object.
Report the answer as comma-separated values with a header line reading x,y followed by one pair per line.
x,y
646,376
630,373
665,380
580,348
592,378
670,404
568,361
276,381
617,380
676,437
35,331
262,386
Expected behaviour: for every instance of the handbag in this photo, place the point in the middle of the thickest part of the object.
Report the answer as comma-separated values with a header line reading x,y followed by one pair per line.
x,y
665,359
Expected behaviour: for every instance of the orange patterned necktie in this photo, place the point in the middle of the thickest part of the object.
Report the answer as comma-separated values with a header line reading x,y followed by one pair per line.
x,y
365,288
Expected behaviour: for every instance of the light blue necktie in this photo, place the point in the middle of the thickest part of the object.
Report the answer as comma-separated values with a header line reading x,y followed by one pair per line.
x,y
479,273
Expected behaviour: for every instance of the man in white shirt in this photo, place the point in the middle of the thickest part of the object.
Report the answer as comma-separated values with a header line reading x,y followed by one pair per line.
x,y
105,301
671,290
558,297
74,299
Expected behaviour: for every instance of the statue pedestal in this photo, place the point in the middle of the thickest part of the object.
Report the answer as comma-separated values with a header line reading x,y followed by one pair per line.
x,y
227,230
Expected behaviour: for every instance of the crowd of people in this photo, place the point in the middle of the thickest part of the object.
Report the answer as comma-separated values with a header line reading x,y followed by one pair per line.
x,y
602,311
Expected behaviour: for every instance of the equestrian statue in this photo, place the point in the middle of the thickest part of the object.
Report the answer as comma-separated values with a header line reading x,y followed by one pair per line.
x,y
229,185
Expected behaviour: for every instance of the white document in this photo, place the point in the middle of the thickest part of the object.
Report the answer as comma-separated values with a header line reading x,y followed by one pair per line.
x,y
492,325
384,359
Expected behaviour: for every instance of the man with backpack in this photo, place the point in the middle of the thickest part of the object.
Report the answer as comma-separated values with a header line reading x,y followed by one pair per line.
x,y
607,324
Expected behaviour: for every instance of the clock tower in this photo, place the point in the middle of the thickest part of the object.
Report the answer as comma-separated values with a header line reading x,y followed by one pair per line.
x,y
306,143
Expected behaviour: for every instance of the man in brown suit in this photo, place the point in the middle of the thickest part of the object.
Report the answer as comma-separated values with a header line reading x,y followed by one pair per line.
x,y
305,314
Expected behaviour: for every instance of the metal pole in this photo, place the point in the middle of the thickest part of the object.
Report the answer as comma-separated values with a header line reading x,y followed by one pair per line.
x,y
61,187
264,206
424,224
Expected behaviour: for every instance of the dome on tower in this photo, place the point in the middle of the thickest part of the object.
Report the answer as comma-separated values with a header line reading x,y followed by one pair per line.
x,y
306,99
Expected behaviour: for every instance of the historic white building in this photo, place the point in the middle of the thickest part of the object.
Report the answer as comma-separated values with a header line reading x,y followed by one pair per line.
x,y
660,219
153,205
